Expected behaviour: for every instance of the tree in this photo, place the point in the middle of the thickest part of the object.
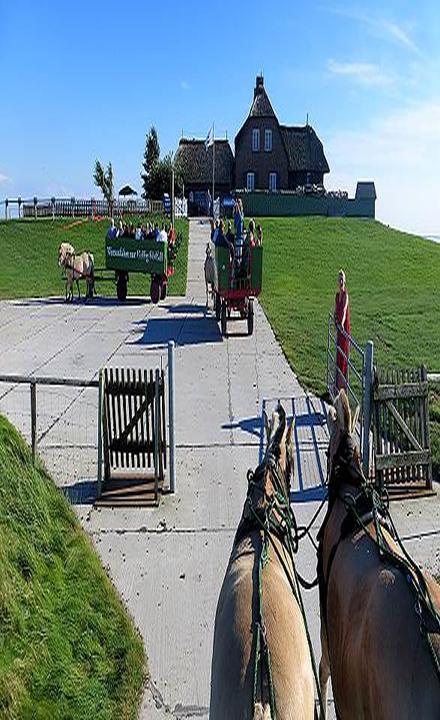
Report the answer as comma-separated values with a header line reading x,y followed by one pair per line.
x,y
151,157
159,179
104,180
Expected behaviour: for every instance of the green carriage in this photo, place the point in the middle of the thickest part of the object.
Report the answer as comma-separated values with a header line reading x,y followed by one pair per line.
x,y
125,255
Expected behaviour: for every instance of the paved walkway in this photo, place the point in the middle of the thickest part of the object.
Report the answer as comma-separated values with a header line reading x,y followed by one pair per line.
x,y
168,563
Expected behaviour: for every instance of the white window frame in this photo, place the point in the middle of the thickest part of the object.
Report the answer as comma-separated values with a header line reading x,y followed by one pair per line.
x,y
255,140
268,140
273,181
250,181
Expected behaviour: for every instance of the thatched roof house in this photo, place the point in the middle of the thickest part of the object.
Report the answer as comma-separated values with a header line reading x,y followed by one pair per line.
x,y
194,161
271,156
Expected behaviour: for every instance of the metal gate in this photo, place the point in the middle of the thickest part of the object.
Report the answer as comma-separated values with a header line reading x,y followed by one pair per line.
x,y
358,383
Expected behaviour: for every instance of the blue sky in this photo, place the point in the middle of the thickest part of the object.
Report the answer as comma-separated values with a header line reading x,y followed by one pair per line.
x,y
86,80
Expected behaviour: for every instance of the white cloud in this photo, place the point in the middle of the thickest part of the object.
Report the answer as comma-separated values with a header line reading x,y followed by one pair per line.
x,y
382,27
184,85
401,153
363,73
399,34
4,179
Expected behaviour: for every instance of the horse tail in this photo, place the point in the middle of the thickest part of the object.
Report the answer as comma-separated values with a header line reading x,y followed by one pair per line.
x,y
261,713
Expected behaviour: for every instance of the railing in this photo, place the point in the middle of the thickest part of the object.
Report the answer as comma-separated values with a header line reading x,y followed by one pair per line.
x,y
86,207
80,207
358,383
66,421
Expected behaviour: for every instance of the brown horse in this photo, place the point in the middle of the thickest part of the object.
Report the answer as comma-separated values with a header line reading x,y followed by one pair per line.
x,y
261,662
380,616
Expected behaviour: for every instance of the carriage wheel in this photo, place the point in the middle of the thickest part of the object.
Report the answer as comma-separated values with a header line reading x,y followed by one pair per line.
x,y
223,318
217,305
250,317
155,290
121,286
163,290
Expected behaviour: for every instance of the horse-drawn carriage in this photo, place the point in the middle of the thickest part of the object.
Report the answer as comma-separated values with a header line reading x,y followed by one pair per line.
x,y
237,282
126,255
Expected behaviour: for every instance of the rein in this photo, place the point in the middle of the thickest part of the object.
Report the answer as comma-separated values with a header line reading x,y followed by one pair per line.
x,y
275,518
363,509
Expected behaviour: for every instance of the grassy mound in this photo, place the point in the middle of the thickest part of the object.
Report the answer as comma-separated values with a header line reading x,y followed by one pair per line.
x,y
67,648
393,281
30,256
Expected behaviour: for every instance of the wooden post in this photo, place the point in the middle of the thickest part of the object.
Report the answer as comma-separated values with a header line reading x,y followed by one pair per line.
x,y
6,208
100,419
34,419
35,208
425,401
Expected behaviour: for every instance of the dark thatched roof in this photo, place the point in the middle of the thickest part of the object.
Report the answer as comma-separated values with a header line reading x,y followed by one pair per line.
x,y
127,190
304,149
195,162
261,106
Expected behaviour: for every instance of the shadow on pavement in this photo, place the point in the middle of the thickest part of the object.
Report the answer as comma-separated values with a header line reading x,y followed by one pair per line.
x,y
183,331
249,425
95,302
311,439
81,493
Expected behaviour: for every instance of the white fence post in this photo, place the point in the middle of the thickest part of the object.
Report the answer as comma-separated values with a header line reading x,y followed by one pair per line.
x,y
171,414
367,408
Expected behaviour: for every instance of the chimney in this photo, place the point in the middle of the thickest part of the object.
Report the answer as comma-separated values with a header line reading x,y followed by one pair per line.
x,y
259,85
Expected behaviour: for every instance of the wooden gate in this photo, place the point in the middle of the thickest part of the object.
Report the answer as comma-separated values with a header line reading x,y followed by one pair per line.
x,y
133,436
401,431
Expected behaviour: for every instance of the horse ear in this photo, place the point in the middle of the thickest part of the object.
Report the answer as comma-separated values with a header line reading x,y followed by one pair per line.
x,y
343,411
290,441
266,425
354,419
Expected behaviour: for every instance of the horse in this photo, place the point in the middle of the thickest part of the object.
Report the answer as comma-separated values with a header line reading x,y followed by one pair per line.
x,y
261,665
209,271
76,267
380,615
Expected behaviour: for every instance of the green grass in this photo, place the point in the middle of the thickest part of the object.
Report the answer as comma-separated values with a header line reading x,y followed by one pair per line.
x,y
393,280
68,650
29,251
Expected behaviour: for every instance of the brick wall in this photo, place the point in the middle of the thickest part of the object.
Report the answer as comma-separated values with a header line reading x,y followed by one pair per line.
x,y
261,163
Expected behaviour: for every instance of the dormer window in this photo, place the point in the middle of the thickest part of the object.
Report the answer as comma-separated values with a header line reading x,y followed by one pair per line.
x,y
268,140
255,140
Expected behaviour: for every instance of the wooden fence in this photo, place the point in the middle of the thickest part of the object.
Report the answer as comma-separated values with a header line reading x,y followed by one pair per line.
x,y
401,430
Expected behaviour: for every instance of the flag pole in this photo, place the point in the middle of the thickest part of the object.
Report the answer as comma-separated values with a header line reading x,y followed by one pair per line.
x,y
213,169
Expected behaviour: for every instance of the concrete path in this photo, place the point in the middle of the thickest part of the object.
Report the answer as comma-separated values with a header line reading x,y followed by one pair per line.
x,y
168,563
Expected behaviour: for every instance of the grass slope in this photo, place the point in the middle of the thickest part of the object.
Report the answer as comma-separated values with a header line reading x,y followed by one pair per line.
x,y
29,251
393,280
68,650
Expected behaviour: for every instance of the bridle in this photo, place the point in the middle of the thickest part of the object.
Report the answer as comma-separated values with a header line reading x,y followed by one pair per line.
x,y
272,518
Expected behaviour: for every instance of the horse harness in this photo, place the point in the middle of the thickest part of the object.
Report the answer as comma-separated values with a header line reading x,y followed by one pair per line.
x,y
365,508
274,518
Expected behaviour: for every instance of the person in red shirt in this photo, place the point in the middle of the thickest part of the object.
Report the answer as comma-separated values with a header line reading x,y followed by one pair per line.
x,y
342,322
